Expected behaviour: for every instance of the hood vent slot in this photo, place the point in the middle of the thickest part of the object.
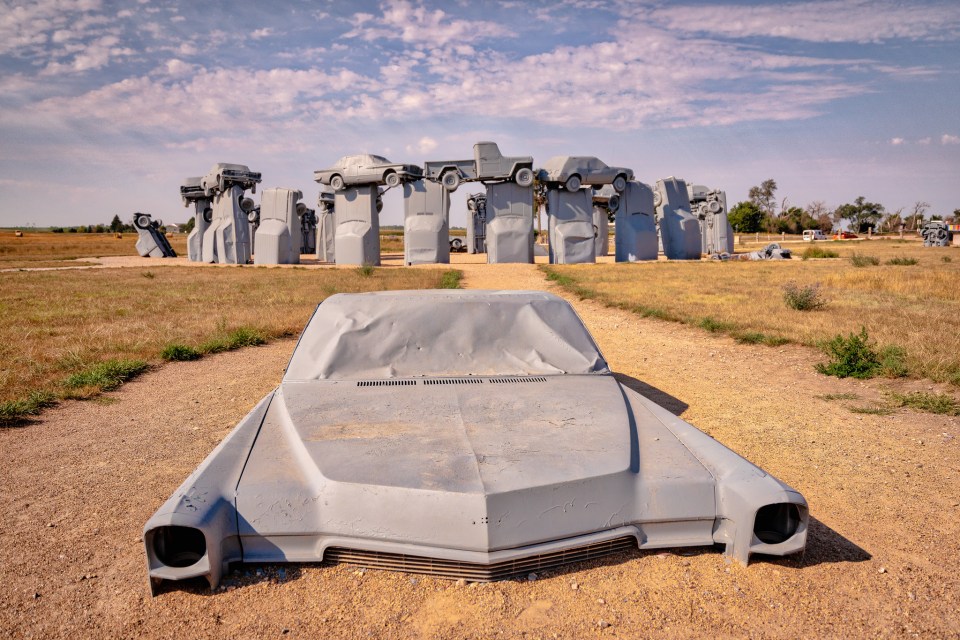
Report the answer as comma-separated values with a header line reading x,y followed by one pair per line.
x,y
385,383
517,380
454,381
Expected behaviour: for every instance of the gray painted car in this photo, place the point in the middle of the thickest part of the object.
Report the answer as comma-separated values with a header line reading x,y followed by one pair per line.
x,y
366,168
473,434
574,171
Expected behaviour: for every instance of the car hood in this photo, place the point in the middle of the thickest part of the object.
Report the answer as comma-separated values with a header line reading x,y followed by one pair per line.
x,y
519,455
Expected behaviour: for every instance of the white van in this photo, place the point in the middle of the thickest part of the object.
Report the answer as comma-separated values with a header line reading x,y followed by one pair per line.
x,y
813,234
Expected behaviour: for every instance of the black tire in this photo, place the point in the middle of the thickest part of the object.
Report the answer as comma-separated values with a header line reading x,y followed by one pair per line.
x,y
524,177
456,244
142,221
450,180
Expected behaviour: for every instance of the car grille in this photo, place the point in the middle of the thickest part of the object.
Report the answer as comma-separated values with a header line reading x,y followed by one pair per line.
x,y
474,571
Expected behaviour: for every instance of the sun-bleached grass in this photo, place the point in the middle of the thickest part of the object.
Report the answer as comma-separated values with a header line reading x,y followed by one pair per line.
x,y
43,249
914,308
60,326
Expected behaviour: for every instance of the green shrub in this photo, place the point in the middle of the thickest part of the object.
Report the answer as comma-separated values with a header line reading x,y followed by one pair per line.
x,y
873,411
246,337
106,375
837,396
930,402
242,337
946,259
712,325
179,352
893,362
903,262
818,252
756,337
860,260
365,270
14,412
850,357
807,297
451,279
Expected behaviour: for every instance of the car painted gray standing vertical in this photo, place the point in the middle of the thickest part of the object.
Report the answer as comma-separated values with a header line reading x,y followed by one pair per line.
x,y
509,226
679,229
426,223
635,237
357,238
570,224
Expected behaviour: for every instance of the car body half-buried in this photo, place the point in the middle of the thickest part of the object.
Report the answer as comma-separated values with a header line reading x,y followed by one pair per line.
x,y
463,434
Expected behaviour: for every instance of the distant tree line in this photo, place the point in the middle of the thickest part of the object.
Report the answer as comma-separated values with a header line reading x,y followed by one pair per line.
x,y
762,213
116,226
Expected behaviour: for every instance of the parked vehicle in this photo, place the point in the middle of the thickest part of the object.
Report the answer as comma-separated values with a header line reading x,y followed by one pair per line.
x,y
810,235
487,164
574,171
457,244
844,235
938,233
365,168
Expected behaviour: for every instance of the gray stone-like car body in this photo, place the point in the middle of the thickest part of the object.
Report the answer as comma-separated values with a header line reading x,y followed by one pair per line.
x,y
574,171
488,164
365,168
474,434
223,175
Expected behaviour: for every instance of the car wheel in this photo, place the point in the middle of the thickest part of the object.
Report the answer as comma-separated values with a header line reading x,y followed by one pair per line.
x,y
620,183
657,198
573,183
450,180
524,177
456,244
392,179
379,204
252,217
142,222
471,205
208,215
713,206
336,182
613,203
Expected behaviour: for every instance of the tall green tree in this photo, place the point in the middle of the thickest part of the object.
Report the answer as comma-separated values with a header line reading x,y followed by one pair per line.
x,y
746,217
116,225
764,198
861,214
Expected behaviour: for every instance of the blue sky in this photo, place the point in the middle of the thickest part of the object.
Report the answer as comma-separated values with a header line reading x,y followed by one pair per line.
x,y
106,106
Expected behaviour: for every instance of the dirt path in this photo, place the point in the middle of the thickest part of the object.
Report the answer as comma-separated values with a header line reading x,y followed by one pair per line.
x,y
883,557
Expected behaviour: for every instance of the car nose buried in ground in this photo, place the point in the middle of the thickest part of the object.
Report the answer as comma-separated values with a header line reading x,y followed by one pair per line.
x,y
474,434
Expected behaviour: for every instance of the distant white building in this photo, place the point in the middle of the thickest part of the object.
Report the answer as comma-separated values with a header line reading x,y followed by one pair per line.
x,y
172,227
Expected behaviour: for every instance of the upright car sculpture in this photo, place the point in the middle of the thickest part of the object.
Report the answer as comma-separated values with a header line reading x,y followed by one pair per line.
x,y
475,434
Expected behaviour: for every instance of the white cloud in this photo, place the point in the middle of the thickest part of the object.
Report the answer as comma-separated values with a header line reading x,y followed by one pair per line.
x,y
425,145
259,34
925,141
896,141
415,24
949,139
30,25
830,21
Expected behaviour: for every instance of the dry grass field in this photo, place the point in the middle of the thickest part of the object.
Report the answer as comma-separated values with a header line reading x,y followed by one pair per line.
x,y
912,307
42,250
58,328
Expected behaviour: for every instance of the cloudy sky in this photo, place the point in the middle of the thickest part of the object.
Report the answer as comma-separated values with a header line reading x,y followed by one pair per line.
x,y
106,106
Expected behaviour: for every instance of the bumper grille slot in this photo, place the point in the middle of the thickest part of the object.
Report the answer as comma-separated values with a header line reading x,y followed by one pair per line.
x,y
454,381
474,571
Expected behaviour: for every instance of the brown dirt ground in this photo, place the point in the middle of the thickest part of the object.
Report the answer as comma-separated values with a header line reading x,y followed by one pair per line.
x,y
882,559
